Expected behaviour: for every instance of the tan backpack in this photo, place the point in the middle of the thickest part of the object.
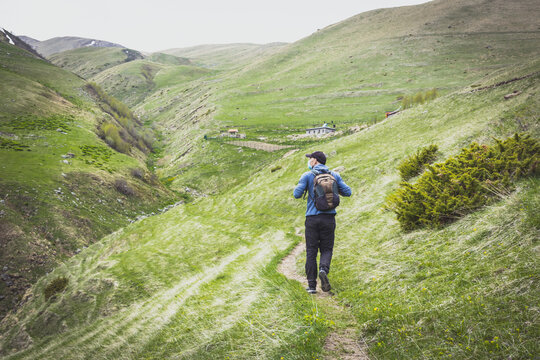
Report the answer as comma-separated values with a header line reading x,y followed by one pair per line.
x,y
325,191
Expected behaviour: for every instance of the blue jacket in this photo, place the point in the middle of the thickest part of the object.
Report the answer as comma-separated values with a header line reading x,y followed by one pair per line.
x,y
306,181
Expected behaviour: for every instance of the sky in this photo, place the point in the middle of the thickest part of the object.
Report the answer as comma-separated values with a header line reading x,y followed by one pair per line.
x,y
163,24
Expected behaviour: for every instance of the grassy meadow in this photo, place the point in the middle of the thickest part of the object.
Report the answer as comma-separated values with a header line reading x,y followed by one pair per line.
x,y
200,281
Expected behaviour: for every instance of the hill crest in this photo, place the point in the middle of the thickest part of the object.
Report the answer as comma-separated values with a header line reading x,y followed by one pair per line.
x,y
63,43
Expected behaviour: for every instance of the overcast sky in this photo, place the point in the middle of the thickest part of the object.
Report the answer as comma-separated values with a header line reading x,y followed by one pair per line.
x,y
152,25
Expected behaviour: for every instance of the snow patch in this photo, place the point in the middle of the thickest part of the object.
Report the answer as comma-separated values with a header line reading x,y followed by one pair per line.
x,y
92,43
9,39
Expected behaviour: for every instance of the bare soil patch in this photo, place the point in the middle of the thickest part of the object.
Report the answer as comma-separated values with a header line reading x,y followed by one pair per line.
x,y
259,145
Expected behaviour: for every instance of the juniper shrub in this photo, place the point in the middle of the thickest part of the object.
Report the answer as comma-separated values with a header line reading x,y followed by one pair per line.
x,y
414,164
461,184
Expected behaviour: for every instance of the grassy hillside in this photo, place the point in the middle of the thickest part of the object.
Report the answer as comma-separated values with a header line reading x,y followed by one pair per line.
x,y
167,285
349,73
168,59
225,56
130,82
201,280
89,61
354,71
60,184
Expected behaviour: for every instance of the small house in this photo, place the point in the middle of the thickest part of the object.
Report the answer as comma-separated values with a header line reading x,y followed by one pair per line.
x,y
322,130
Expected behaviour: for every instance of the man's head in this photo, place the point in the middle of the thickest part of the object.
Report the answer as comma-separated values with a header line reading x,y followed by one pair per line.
x,y
317,157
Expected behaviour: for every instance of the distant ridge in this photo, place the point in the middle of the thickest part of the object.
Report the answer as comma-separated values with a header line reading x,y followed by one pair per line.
x,y
30,41
59,44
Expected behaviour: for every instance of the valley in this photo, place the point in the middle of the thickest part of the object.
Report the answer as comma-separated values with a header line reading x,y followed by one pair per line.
x,y
205,279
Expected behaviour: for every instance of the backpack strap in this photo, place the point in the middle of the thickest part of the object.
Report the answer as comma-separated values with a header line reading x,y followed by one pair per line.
x,y
306,191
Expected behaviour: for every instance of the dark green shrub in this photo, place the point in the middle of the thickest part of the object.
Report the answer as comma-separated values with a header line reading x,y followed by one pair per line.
x,y
275,168
414,164
418,98
54,287
463,183
97,156
32,122
13,145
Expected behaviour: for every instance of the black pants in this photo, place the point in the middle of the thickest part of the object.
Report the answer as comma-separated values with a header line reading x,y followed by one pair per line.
x,y
319,236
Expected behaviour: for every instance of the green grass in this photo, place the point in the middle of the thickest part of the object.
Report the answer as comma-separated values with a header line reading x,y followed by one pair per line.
x,y
339,83
200,281
179,74
405,290
130,82
333,75
89,61
55,203
458,292
168,59
225,56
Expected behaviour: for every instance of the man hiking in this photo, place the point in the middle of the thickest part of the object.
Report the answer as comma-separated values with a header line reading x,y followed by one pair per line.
x,y
323,188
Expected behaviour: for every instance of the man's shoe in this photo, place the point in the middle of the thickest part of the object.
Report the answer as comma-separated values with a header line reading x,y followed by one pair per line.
x,y
325,283
311,290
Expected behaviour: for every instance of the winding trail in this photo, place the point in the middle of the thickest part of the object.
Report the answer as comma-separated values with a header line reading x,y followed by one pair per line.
x,y
343,342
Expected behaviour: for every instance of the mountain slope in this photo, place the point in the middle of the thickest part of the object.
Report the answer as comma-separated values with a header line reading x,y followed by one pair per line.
x,y
30,41
200,281
60,183
168,59
64,43
166,285
89,61
8,38
365,63
224,56
349,73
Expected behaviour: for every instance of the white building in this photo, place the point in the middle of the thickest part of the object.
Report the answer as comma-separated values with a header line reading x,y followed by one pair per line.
x,y
318,131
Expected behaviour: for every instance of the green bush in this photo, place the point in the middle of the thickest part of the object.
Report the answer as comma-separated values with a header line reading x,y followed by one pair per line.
x,y
111,134
128,130
419,98
414,164
431,94
120,109
55,286
13,145
463,183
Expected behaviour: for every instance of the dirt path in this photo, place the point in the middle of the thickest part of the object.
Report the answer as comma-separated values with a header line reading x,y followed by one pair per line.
x,y
343,343
259,145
